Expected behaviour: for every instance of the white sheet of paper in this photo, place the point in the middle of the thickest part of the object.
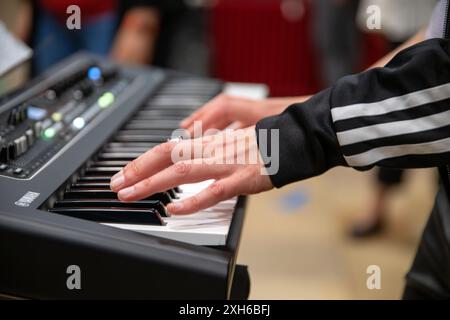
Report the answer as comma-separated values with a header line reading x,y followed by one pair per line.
x,y
246,90
13,52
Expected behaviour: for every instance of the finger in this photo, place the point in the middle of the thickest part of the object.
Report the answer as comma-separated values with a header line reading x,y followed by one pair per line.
x,y
218,191
212,119
180,173
236,125
205,109
232,110
145,165
157,159
213,109
216,119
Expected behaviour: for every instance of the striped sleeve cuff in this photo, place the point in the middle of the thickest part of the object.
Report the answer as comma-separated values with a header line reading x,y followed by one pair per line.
x,y
397,116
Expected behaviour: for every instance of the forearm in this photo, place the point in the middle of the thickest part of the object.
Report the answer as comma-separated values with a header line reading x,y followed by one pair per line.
x,y
278,105
396,116
418,37
22,27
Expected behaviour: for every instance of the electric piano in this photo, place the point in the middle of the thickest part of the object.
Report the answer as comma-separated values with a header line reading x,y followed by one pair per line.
x,y
62,137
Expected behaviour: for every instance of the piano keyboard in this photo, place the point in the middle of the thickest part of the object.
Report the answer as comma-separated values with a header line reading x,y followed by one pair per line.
x,y
89,197
62,137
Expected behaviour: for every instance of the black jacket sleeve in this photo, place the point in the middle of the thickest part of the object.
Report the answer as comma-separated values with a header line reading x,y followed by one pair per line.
x,y
397,116
307,142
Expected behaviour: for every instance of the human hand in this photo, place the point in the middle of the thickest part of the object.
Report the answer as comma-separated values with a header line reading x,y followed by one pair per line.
x,y
135,39
224,110
175,163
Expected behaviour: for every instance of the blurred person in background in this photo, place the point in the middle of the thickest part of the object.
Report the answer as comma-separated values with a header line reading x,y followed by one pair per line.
x,y
226,110
338,42
132,32
126,30
182,42
336,38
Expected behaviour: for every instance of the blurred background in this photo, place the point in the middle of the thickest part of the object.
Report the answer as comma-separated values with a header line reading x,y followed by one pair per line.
x,y
309,240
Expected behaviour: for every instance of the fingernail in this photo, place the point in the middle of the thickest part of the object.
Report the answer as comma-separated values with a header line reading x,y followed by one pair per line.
x,y
127,192
184,123
117,180
175,206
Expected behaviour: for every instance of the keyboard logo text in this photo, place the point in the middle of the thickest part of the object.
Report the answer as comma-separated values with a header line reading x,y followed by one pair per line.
x,y
27,199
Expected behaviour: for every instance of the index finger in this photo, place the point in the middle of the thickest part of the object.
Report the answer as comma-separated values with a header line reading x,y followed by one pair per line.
x,y
180,173
155,160
210,107
152,161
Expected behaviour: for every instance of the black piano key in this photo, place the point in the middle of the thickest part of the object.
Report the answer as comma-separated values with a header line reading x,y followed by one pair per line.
x,y
140,138
118,156
191,82
157,116
106,186
125,150
110,163
113,203
163,113
174,106
90,185
190,93
89,194
142,125
171,106
149,117
199,94
80,194
164,197
202,90
155,124
148,131
102,171
94,179
157,112
180,102
172,194
131,145
113,215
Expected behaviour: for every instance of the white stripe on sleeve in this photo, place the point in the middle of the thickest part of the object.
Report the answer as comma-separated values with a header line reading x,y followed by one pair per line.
x,y
389,129
377,154
406,101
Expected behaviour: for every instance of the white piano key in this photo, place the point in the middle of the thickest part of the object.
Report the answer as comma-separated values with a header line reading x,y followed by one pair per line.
x,y
206,227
